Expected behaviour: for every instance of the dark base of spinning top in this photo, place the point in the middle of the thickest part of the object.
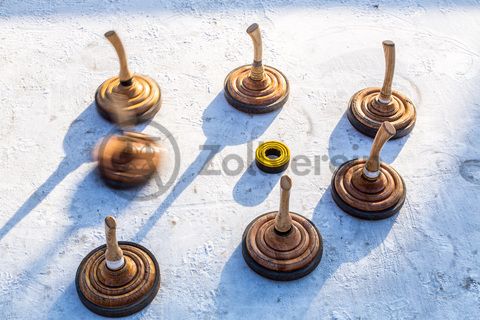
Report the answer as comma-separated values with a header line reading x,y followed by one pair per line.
x,y
254,109
372,131
281,275
119,185
408,118
362,214
127,309
280,90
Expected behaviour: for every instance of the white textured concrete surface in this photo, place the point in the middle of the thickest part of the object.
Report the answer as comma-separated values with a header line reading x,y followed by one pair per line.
x,y
422,263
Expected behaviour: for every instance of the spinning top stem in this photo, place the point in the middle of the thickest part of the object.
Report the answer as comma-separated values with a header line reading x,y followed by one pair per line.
x,y
257,72
125,74
283,220
372,167
385,95
114,254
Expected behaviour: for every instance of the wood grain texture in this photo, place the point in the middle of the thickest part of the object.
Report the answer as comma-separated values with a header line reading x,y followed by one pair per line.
x,y
282,241
256,88
129,159
113,253
370,107
369,185
125,74
283,220
372,166
257,71
143,94
385,95
365,194
125,290
361,187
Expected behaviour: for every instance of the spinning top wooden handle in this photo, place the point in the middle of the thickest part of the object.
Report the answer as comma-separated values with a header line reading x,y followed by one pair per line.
x,y
283,220
389,51
125,74
257,72
372,167
113,255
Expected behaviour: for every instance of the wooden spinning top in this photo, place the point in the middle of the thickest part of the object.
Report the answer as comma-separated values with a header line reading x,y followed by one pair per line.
x,y
144,97
256,88
370,107
282,245
127,159
119,278
370,189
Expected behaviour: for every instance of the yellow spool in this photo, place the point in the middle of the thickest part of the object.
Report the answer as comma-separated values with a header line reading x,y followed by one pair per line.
x,y
276,164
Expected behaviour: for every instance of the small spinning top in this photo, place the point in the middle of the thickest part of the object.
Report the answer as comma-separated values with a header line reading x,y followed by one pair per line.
x,y
144,97
128,159
370,189
370,107
282,245
119,278
256,88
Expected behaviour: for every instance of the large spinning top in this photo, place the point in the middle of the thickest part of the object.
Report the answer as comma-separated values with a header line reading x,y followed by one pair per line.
x,y
370,107
370,189
119,278
144,97
127,159
282,245
256,88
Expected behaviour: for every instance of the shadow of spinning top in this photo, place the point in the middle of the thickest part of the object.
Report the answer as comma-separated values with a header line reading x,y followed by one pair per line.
x,y
144,96
119,278
128,159
370,107
282,245
370,189
256,88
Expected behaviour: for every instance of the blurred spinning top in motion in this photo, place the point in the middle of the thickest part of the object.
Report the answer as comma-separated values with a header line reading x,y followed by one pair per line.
x,y
144,96
282,245
370,189
119,278
370,107
128,159
256,88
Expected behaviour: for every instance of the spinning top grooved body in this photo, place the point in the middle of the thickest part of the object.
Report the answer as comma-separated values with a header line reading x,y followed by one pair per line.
x,y
282,245
119,278
256,88
370,189
128,160
370,107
